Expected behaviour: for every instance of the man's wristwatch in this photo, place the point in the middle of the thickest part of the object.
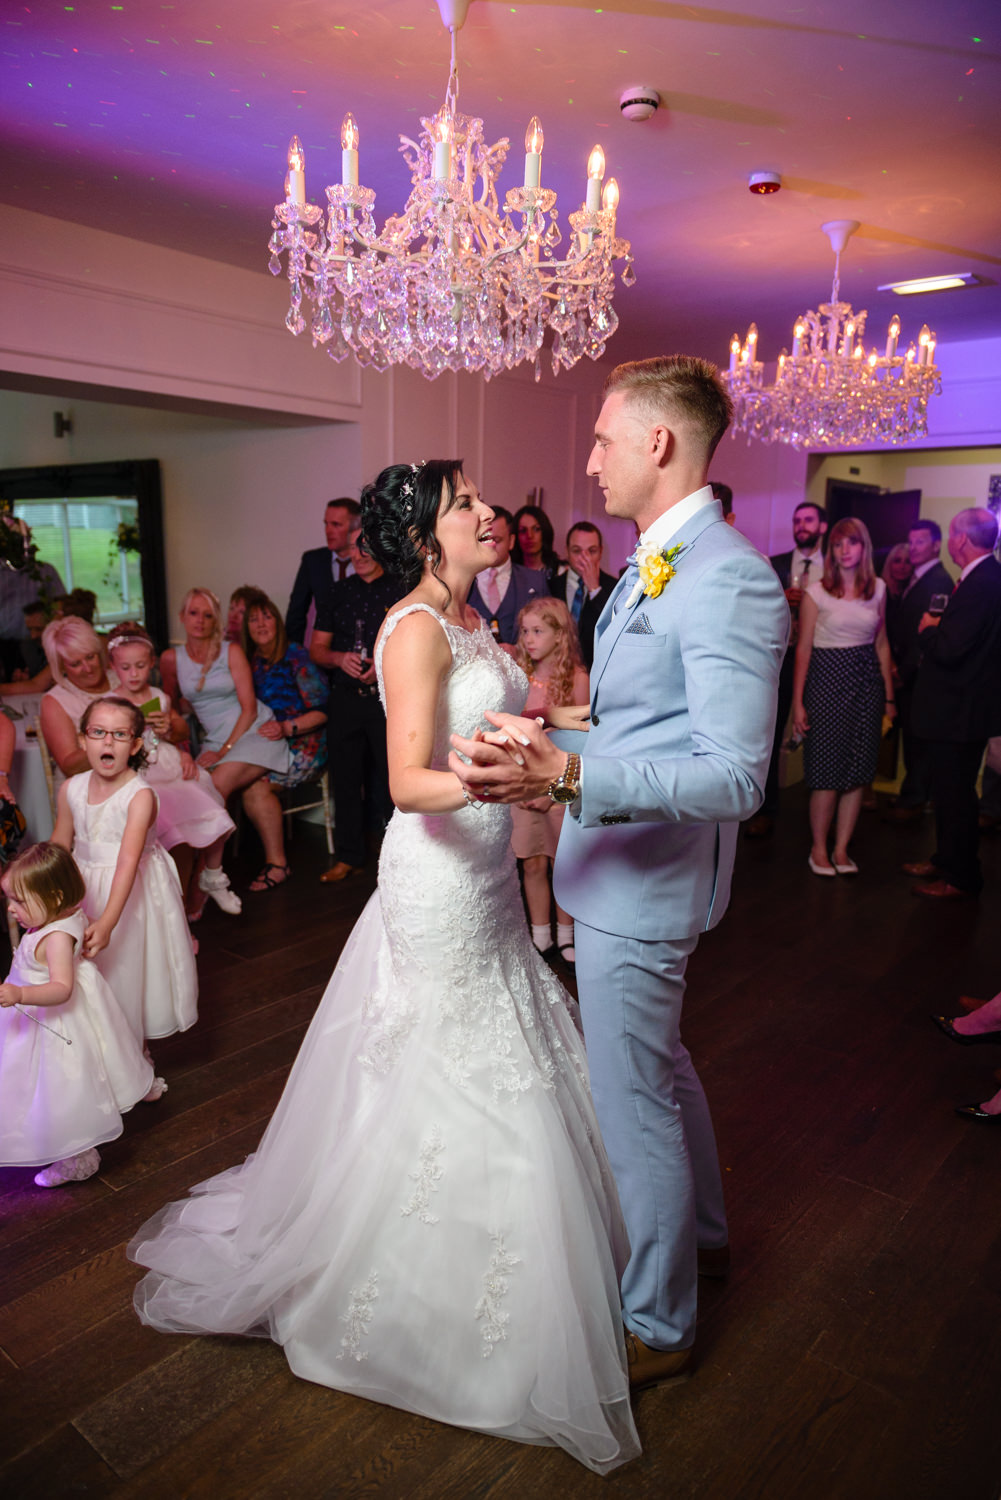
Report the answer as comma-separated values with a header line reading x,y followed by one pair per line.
x,y
566,788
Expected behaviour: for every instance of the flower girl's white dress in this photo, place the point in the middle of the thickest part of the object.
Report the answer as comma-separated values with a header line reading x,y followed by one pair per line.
x,y
149,961
67,1072
430,1220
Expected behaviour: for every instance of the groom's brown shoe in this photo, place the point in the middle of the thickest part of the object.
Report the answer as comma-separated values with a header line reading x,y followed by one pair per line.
x,y
649,1367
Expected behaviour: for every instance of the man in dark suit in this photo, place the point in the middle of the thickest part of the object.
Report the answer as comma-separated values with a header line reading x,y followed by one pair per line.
x,y
957,705
500,591
801,566
582,586
322,567
924,544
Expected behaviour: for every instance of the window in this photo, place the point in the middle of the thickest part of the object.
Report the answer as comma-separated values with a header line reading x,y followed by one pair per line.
x,y
75,512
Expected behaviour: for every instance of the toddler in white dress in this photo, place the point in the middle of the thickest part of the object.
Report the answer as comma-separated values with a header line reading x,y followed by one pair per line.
x,y
137,931
69,1064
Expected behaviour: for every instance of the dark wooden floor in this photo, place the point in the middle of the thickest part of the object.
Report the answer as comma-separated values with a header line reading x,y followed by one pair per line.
x,y
853,1354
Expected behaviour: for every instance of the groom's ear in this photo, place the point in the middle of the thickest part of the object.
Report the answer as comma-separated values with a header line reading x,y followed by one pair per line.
x,y
662,443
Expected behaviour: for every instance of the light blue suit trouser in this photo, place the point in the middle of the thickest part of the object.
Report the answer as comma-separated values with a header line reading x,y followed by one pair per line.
x,y
655,1122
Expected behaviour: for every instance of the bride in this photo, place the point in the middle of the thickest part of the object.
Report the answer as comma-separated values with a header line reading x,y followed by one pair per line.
x,y
430,1220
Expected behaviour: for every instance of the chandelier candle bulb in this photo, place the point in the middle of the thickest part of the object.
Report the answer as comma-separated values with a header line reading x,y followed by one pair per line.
x,y
923,339
349,151
296,172
442,168
735,352
892,336
595,173
797,340
610,196
534,140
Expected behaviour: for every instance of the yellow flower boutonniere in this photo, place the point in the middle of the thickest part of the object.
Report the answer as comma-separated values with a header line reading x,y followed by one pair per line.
x,y
656,569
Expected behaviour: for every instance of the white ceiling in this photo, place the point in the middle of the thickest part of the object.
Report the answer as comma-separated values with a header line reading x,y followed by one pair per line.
x,y
170,122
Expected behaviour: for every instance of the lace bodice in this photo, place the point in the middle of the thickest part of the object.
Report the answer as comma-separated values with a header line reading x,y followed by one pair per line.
x,y
482,677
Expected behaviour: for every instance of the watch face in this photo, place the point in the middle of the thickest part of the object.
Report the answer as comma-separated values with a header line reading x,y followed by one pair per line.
x,y
564,793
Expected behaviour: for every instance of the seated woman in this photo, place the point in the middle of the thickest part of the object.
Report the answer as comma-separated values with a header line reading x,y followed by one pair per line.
x,y
76,656
291,686
237,610
213,680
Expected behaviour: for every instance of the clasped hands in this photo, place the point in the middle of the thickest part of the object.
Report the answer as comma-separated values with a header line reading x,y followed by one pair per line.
x,y
515,761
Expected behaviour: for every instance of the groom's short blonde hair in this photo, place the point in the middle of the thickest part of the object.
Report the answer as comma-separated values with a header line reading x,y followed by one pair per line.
x,y
679,389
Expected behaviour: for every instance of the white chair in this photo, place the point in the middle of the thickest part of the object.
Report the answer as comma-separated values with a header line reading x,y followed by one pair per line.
x,y
286,795
49,767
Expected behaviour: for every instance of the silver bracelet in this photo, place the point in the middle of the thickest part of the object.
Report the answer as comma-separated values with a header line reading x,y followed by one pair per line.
x,y
471,801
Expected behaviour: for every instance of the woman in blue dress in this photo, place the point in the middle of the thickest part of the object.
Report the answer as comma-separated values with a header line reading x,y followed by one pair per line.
x,y
290,685
215,682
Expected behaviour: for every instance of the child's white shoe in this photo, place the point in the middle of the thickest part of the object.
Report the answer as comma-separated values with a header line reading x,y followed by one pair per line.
x,y
215,883
156,1091
71,1169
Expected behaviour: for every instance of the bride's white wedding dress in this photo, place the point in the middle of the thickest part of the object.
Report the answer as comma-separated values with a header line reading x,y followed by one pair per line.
x,y
429,1220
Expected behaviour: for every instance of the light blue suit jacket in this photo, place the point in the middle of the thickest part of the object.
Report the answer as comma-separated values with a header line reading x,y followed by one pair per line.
x,y
683,693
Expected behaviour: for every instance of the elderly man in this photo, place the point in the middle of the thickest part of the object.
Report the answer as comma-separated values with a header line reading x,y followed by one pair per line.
x,y
686,665
957,705
321,567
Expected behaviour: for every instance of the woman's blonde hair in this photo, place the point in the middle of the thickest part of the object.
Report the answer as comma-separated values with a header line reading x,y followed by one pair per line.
x,y
47,874
865,574
566,653
217,625
68,634
894,555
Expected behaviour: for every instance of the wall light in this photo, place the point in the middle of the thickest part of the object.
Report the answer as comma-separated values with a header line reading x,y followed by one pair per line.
x,y
931,284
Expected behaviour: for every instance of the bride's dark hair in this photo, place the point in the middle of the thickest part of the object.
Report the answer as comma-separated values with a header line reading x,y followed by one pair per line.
x,y
399,513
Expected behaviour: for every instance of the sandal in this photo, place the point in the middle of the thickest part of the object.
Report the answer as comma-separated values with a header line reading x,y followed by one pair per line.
x,y
266,881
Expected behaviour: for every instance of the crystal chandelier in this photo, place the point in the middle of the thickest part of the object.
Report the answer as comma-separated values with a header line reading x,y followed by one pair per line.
x,y
829,393
453,282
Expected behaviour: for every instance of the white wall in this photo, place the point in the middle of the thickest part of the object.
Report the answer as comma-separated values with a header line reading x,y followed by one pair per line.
x,y
82,311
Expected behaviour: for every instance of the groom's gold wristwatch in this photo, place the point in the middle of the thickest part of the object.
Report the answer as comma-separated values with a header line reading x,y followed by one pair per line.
x,y
566,788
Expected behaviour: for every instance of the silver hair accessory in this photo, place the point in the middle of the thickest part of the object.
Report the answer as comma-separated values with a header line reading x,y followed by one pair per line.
x,y
408,487
126,640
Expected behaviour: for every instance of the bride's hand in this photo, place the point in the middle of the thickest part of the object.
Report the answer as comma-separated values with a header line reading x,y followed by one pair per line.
x,y
572,716
512,763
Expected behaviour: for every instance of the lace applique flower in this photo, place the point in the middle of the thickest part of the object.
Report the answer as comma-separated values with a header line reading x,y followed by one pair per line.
x,y
358,1317
427,1178
496,1280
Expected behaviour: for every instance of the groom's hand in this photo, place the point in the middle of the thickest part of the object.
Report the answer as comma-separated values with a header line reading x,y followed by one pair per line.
x,y
513,763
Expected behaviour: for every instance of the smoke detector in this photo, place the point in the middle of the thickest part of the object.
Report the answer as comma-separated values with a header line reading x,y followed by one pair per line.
x,y
764,182
639,102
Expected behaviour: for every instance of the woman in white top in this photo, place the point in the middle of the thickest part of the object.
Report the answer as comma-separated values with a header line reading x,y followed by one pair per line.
x,y
841,688
76,654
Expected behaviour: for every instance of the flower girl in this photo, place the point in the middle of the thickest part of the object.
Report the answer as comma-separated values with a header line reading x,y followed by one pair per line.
x,y
192,814
136,930
69,1064
548,652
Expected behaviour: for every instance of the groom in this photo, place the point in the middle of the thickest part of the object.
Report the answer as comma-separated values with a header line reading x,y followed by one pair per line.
x,y
683,689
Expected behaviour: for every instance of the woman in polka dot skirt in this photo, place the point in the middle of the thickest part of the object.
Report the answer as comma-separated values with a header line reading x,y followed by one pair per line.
x,y
841,689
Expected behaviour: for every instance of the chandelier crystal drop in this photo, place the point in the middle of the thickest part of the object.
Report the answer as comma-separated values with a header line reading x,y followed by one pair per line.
x,y
829,393
454,282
